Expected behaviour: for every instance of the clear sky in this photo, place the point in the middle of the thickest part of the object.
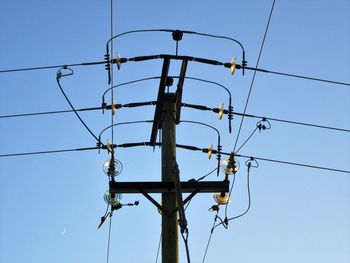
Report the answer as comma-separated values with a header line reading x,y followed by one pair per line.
x,y
50,205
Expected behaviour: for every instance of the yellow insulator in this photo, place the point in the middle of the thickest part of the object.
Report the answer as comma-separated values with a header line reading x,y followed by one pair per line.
x,y
221,111
233,66
210,151
221,198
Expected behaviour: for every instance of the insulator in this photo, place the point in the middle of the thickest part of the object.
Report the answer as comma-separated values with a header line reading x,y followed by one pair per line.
x,y
229,166
177,35
221,111
233,66
210,151
218,156
112,199
108,65
230,112
112,169
221,198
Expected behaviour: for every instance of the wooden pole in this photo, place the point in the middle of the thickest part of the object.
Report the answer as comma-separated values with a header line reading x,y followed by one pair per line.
x,y
170,250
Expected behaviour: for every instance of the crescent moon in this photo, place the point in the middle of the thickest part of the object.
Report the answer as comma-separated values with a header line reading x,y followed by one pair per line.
x,y
64,231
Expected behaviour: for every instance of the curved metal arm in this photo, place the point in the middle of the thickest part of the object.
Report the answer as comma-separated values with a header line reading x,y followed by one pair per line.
x,y
230,108
244,62
122,123
126,83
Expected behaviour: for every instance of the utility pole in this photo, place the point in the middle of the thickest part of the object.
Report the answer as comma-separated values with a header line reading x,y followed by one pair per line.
x,y
169,200
166,117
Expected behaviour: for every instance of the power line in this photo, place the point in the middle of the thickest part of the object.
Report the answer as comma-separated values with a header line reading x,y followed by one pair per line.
x,y
253,79
294,163
225,222
238,67
104,62
179,32
112,71
204,176
109,236
293,122
150,103
298,76
211,234
48,152
229,194
52,67
58,77
249,137
127,145
259,126
158,248
185,239
46,113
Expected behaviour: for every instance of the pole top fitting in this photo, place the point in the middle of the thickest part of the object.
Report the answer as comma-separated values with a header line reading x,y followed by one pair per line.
x,y
177,35
169,97
169,81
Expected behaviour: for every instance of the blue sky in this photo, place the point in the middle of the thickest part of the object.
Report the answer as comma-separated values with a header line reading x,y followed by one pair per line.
x,y
50,205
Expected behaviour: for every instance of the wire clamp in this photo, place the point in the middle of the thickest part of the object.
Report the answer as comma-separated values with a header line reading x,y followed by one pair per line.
x,y
264,124
252,162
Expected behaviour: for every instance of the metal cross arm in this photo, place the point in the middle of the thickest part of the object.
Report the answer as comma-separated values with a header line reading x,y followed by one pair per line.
x,y
176,57
145,188
159,107
166,187
180,89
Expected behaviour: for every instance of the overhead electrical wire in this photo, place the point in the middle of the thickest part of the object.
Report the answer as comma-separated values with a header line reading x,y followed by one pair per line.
x,y
48,152
59,75
112,120
296,164
158,248
46,113
204,176
52,67
218,140
185,239
122,123
112,73
112,126
294,122
253,79
249,196
298,76
238,67
249,137
230,108
225,222
178,32
259,126
126,105
210,236
109,236
180,146
160,238
230,192
157,77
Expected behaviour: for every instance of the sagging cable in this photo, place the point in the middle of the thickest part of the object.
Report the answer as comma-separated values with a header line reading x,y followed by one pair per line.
x,y
70,72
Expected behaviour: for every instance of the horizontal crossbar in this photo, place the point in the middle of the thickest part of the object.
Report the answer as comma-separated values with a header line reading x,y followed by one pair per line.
x,y
165,187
